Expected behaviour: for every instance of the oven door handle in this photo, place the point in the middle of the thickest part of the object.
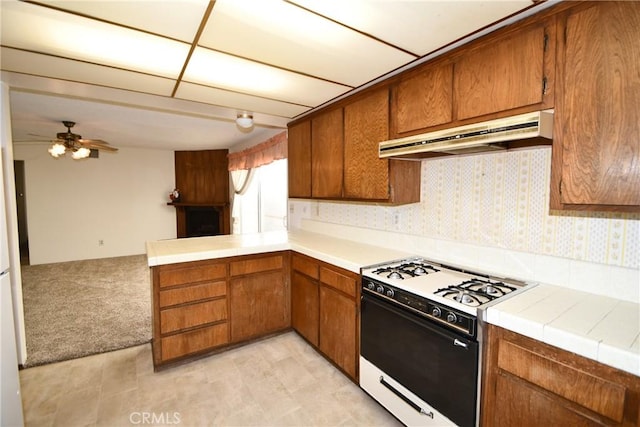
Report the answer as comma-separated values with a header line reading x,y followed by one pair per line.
x,y
405,398
459,343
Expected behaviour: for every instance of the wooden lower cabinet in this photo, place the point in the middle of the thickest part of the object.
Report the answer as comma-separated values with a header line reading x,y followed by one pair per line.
x,y
190,309
325,310
529,383
202,306
259,296
305,306
338,329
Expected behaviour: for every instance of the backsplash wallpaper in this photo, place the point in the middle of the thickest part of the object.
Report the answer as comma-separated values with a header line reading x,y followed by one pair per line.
x,y
499,200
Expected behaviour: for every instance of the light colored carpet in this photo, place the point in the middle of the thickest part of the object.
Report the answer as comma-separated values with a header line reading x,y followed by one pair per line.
x,y
77,308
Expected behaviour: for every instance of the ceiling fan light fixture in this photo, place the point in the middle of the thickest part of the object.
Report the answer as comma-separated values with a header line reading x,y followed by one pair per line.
x,y
57,150
81,153
244,120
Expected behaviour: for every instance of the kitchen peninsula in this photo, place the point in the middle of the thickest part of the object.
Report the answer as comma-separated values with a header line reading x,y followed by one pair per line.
x,y
533,322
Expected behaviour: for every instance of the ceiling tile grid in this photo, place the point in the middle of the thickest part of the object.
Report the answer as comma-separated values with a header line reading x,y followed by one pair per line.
x,y
276,59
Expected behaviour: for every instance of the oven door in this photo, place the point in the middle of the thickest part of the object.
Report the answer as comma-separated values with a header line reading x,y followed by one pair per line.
x,y
435,364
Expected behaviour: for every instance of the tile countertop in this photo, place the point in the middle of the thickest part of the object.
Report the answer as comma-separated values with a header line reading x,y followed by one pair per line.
x,y
341,253
596,327
599,328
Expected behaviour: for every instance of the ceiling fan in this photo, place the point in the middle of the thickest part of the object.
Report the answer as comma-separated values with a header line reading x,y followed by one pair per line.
x,y
81,148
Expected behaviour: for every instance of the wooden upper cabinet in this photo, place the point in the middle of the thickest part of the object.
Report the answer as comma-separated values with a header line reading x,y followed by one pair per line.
x,y
202,176
513,71
366,124
327,156
422,99
596,147
299,160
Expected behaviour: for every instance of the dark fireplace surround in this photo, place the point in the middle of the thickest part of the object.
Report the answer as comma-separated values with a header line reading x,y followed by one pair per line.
x,y
197,220
203,220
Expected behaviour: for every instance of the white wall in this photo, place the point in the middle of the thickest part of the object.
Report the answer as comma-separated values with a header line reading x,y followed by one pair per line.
x,y
119,198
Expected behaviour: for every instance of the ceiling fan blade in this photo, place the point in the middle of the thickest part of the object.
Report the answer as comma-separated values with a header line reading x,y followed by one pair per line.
x,y
97,144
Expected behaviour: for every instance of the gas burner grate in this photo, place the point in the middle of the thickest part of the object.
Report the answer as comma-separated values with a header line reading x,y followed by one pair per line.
x,y
406,270
464,296
487,287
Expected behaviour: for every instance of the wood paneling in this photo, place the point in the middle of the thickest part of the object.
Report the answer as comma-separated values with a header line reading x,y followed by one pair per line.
x,y
181,295
596,148
188,274
345,283
305,265
256,265
366,124
259,305
572,384
528,383
501,75
188,316
327,157
305,305
299,160
422,99
202,176
198,340
338,329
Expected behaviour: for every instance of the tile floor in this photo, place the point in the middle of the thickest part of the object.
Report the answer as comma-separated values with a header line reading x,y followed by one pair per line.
x,y
280,381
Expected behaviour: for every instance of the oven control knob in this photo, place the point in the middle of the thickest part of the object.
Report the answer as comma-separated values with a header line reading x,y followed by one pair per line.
x,y
451,317
371,286
380,289
390,293
436,312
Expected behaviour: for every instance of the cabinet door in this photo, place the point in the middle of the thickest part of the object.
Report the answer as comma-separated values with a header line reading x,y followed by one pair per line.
x,y
338,329
258,305
299,160
596,147
501,75
327,157
422,99
366,124
305,306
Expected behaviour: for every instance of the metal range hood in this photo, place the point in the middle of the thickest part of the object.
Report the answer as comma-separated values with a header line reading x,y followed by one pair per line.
x,y
474,138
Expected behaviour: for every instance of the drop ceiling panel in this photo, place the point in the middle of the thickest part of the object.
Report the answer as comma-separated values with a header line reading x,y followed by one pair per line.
x,y
239,101
282,34
216,69
62,34
417,26
176,19
65,69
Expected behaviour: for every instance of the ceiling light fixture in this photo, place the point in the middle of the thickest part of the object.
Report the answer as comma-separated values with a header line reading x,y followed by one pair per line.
x,y
244,120
58,149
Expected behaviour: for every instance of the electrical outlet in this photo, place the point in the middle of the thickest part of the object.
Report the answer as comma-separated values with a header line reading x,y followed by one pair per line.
x,y
100,242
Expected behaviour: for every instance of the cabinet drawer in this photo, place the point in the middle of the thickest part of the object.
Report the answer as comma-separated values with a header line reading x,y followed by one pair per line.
x,y
341,282
183,276
192,293
194,341
592,392
305,266
256,265
187,316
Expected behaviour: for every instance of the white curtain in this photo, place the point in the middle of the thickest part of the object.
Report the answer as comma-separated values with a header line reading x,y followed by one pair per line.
x,y
240,180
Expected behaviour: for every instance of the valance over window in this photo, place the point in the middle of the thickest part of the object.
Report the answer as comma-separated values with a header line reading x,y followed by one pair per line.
x,y
275,148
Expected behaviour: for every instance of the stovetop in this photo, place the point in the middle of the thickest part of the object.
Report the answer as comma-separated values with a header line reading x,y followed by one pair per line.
x,y
451,286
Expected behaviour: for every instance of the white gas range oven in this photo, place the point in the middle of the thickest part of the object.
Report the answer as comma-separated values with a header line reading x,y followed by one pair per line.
x,y
420,344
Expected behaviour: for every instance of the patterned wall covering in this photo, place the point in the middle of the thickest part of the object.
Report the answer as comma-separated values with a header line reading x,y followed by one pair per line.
x,y
500,200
